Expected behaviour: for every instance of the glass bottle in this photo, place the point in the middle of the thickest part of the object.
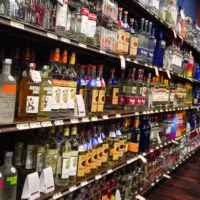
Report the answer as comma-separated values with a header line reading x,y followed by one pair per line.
x,y
45,96
122,91
63,160
81,81
145,50
133,39
125,21
7,93
119,20
51,150
9,173
28,94
151,43
104,146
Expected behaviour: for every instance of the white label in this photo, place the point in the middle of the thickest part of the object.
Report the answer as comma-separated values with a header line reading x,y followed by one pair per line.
x,y
46,124
11,78
123,62
105,117
102,51
35,125
39,161
156,71
128,59
59,122
109,171
35,76
22,126
17,25
74,121
85,119
144,154
58,195
94,119
32,103
64,97
56,97
136,113
135,61
65,168
82,45
151,150
168,74
139,197
66,40
118,116
52,36
97,177
73,163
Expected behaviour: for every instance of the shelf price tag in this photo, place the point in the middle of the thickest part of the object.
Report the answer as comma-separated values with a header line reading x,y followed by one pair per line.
x,y
82,45
102,51
85,119
142,158
94,119
135,61
128,59
66,40
105,117
97,177
59,122
46,124
52,36
123,62
17,24
84,183
57,195
118,116
156,71
35,125
23,126
139,197
109,171
74,121
71,189
168,74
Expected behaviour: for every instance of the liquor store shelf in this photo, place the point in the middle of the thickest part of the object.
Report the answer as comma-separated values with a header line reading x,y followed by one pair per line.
x,y
63,191
52,36
107,115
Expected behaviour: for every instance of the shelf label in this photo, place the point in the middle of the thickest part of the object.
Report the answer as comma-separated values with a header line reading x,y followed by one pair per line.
x,y
123,62
135,61
142,158
118,116
71,189
85,119
94,119
66,40
84,183
52,36
144,112
17,24
146,65
59,122
128,59
109,171
97,177
74,121
58,195
144,154
175,142
46,124
139,197
152,184
102,51
157,147
105,117
166,176
35,125
22,126
137,113
82,45
156,71
151,150
157,180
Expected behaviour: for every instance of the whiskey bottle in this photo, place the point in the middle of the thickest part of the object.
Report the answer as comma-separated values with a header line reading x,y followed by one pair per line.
x,y
133,39
81,81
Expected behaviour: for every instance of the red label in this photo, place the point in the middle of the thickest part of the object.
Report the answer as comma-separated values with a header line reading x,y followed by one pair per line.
x,y
92,16
85,11
1,185
131,101
121,100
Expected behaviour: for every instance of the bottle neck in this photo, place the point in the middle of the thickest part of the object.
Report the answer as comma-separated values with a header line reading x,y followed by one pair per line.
x,y
120,16
132,28
6,69
150,30
8,161
125,19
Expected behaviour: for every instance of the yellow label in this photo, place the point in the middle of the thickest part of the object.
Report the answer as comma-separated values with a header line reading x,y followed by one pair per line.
x,y
81,165
104,153
133,147
115,95
94,101
133,46
114,152
121,148
88,162
101,100
94,159
99,159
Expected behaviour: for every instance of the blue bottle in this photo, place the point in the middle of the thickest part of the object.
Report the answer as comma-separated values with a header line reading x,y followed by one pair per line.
x,y
197,72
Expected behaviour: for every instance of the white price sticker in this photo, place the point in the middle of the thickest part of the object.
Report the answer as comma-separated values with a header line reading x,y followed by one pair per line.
x,y
157,147
35,125
139,197
135,61
144,154
71,189
59,122
128,59
17,24
156,71
151,150
97,177
105,117
52,36
85,119
74,121
146,65
94,119
166,176
157,180
137,113
152,184
109,171
22,126
84,183
82,45
118,116
66,40
102,51
58,195
144,112
46,124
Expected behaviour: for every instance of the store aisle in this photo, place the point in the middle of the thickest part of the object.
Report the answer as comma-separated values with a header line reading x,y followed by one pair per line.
x,y
184,185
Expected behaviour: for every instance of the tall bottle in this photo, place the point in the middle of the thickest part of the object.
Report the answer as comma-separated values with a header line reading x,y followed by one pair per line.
x,y
28,94
125,21
9,177
119,20
7,93
151,43
133,39
145,51
122,90
45,96
63,160
81,81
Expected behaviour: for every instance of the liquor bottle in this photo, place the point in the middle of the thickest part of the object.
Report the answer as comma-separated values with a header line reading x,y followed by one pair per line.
x,y
133,39
125,21
81,81
63,160
121,143
139,92
159,51
16,65
151,43
7,93
91,94
130,96
141,39
119,20
51,150
122,90
28,94
10,176
102,89
30,158
133,144
45,95
100,146
112,91
73,155
145,50
82,154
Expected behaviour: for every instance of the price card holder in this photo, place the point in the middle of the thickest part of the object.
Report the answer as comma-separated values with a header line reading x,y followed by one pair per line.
x,y
17,24
23,126
35,125
31,189
46,124
139,197
156,71
66,40
123,62
79,109
47,181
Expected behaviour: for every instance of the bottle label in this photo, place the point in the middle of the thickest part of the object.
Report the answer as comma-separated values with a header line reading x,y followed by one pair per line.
x,y
114,152
51,159
133,46
18,154
88,162
32,103
12,180
35,89
64,97
45,104
73,163
133,147
99,151
30,158
115,94
130,100
94,100
121,100
101,100
121,148
94,159
61,20
7,102
65,168
40,161
104,153
81,165
56,97
140,52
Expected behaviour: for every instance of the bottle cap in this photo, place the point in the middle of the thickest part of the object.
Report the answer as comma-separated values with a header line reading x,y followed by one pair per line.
x,y
8,154
94,67
32,66
100,67
120,9
132,20
8,61
126,12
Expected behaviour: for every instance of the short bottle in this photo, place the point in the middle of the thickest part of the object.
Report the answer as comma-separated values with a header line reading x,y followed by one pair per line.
x,y
9,173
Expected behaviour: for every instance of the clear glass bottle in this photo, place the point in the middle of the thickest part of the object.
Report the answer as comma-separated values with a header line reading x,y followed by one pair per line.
x,y
9,177
7,93
133,39
125,21
151,43
122,90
